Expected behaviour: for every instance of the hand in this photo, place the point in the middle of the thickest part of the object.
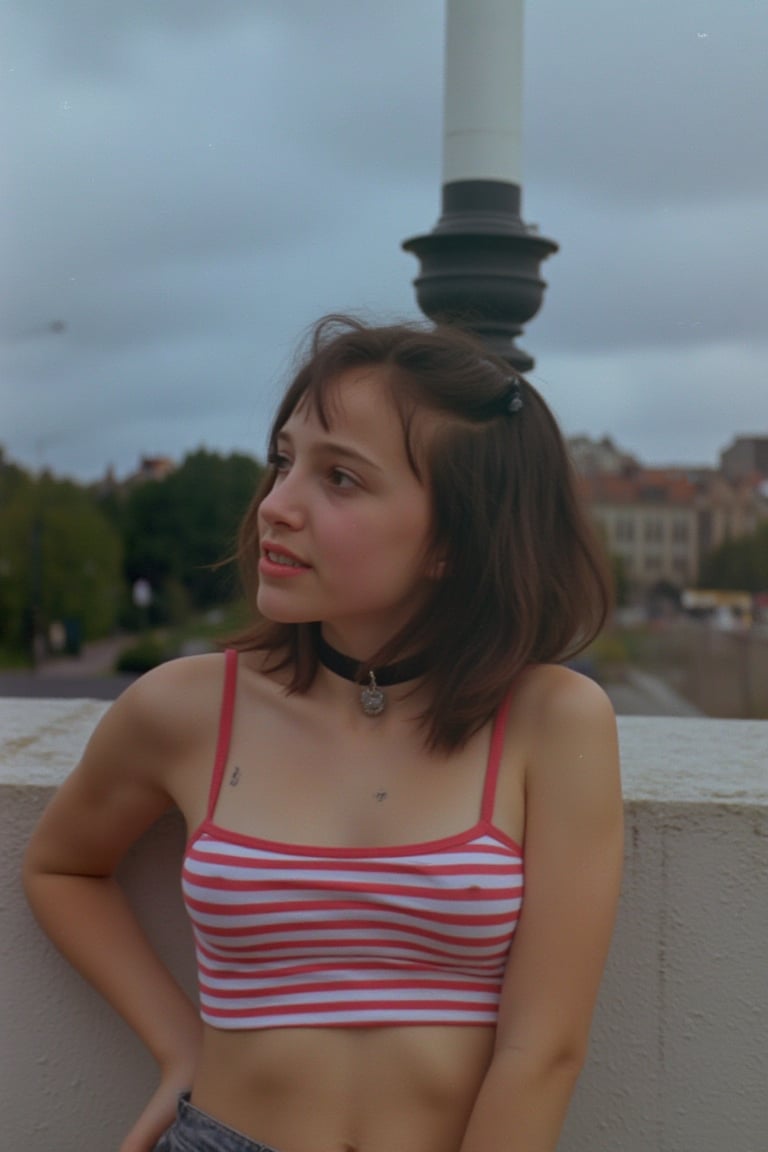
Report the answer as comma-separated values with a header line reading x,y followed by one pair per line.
x,y
160,1112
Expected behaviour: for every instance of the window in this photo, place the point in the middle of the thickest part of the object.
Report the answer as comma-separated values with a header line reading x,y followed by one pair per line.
x,y
625,528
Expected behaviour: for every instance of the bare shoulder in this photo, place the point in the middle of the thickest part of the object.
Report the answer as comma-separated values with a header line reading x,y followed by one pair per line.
x,y
558,702
177,706
555,691
160,716
173,695
573,852
570,727
158,734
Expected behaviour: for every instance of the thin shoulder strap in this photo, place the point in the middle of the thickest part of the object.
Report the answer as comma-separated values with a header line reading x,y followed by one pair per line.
x,y
494,758
225,728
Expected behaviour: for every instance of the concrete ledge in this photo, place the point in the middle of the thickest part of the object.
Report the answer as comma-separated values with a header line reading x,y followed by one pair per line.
x,y
679,1061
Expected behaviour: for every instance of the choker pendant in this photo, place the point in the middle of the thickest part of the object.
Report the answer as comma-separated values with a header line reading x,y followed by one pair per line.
x,y
372,699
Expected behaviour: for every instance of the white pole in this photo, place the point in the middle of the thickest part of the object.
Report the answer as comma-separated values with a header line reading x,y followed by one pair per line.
x,y
483,100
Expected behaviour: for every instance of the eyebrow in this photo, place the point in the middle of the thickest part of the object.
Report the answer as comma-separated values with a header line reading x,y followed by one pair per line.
x,y
334,448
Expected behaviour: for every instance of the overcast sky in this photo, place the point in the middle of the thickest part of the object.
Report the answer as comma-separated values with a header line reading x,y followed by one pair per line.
x,y
188,184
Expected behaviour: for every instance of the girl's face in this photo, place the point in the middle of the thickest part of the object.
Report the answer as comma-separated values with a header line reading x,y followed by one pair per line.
x,y
345,529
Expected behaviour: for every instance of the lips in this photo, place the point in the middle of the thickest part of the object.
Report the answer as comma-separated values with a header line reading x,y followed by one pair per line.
x,y
278,560
281,558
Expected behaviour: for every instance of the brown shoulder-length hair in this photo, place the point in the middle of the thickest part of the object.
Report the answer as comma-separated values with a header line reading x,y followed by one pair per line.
x,y
524,576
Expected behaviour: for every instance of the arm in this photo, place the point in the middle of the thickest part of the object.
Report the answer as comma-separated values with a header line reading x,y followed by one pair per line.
x,y
573,854
117,791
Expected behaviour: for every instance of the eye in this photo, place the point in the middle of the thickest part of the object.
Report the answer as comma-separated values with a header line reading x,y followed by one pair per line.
x,y
342,480
279,461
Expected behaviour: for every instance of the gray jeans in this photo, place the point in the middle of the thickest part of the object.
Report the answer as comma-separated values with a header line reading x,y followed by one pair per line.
x,y
196,1131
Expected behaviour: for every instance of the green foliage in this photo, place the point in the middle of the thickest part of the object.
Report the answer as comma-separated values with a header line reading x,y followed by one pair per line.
x,y
740,564
170,605
12,479
146,654
610,652
177,529
70,554
60,559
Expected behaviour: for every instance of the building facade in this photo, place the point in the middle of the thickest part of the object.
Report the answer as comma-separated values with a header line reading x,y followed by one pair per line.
x,y
661,522
747,455
649,520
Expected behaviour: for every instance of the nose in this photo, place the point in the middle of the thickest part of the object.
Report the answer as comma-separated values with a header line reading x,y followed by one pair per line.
x,y
283,504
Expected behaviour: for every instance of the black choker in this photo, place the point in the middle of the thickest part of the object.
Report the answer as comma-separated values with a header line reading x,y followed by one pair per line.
x,y
372,699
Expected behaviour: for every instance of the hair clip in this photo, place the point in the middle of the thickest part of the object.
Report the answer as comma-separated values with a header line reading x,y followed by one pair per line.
x,y
514,396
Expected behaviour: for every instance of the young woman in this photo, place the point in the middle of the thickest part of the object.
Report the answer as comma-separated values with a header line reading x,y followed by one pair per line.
x,y
404,812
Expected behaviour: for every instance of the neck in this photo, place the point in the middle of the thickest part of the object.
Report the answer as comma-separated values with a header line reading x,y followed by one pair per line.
x,y
358,671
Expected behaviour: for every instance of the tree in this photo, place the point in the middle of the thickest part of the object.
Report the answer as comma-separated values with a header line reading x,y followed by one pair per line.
x,y
178,529
61,560
740,564
12,478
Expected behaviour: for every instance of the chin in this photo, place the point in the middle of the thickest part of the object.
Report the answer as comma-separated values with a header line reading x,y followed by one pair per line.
x,y
271,609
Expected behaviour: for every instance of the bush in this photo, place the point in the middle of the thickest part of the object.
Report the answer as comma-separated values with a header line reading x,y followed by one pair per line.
x,y
142,657
610,654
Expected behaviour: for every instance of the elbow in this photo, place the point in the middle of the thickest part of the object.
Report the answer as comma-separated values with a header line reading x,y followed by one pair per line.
x,y
27,869
33,873
29,875
562,1060
567,1062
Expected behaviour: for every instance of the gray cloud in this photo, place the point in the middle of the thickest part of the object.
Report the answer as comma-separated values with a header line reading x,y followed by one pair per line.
x,y
692,275
190,184
651,103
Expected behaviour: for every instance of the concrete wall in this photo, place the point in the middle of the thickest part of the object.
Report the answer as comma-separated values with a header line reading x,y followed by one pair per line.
x,y
679,1059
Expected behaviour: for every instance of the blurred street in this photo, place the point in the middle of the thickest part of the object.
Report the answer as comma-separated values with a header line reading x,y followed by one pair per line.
x,y
90,675
640,694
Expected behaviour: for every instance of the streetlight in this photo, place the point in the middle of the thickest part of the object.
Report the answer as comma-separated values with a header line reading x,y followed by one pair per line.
x,y
480,263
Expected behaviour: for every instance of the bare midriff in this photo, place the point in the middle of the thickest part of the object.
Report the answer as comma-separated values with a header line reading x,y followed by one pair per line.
x,y
345,1089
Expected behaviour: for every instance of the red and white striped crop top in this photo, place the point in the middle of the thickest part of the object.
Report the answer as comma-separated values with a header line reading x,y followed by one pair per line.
x,y
295,936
